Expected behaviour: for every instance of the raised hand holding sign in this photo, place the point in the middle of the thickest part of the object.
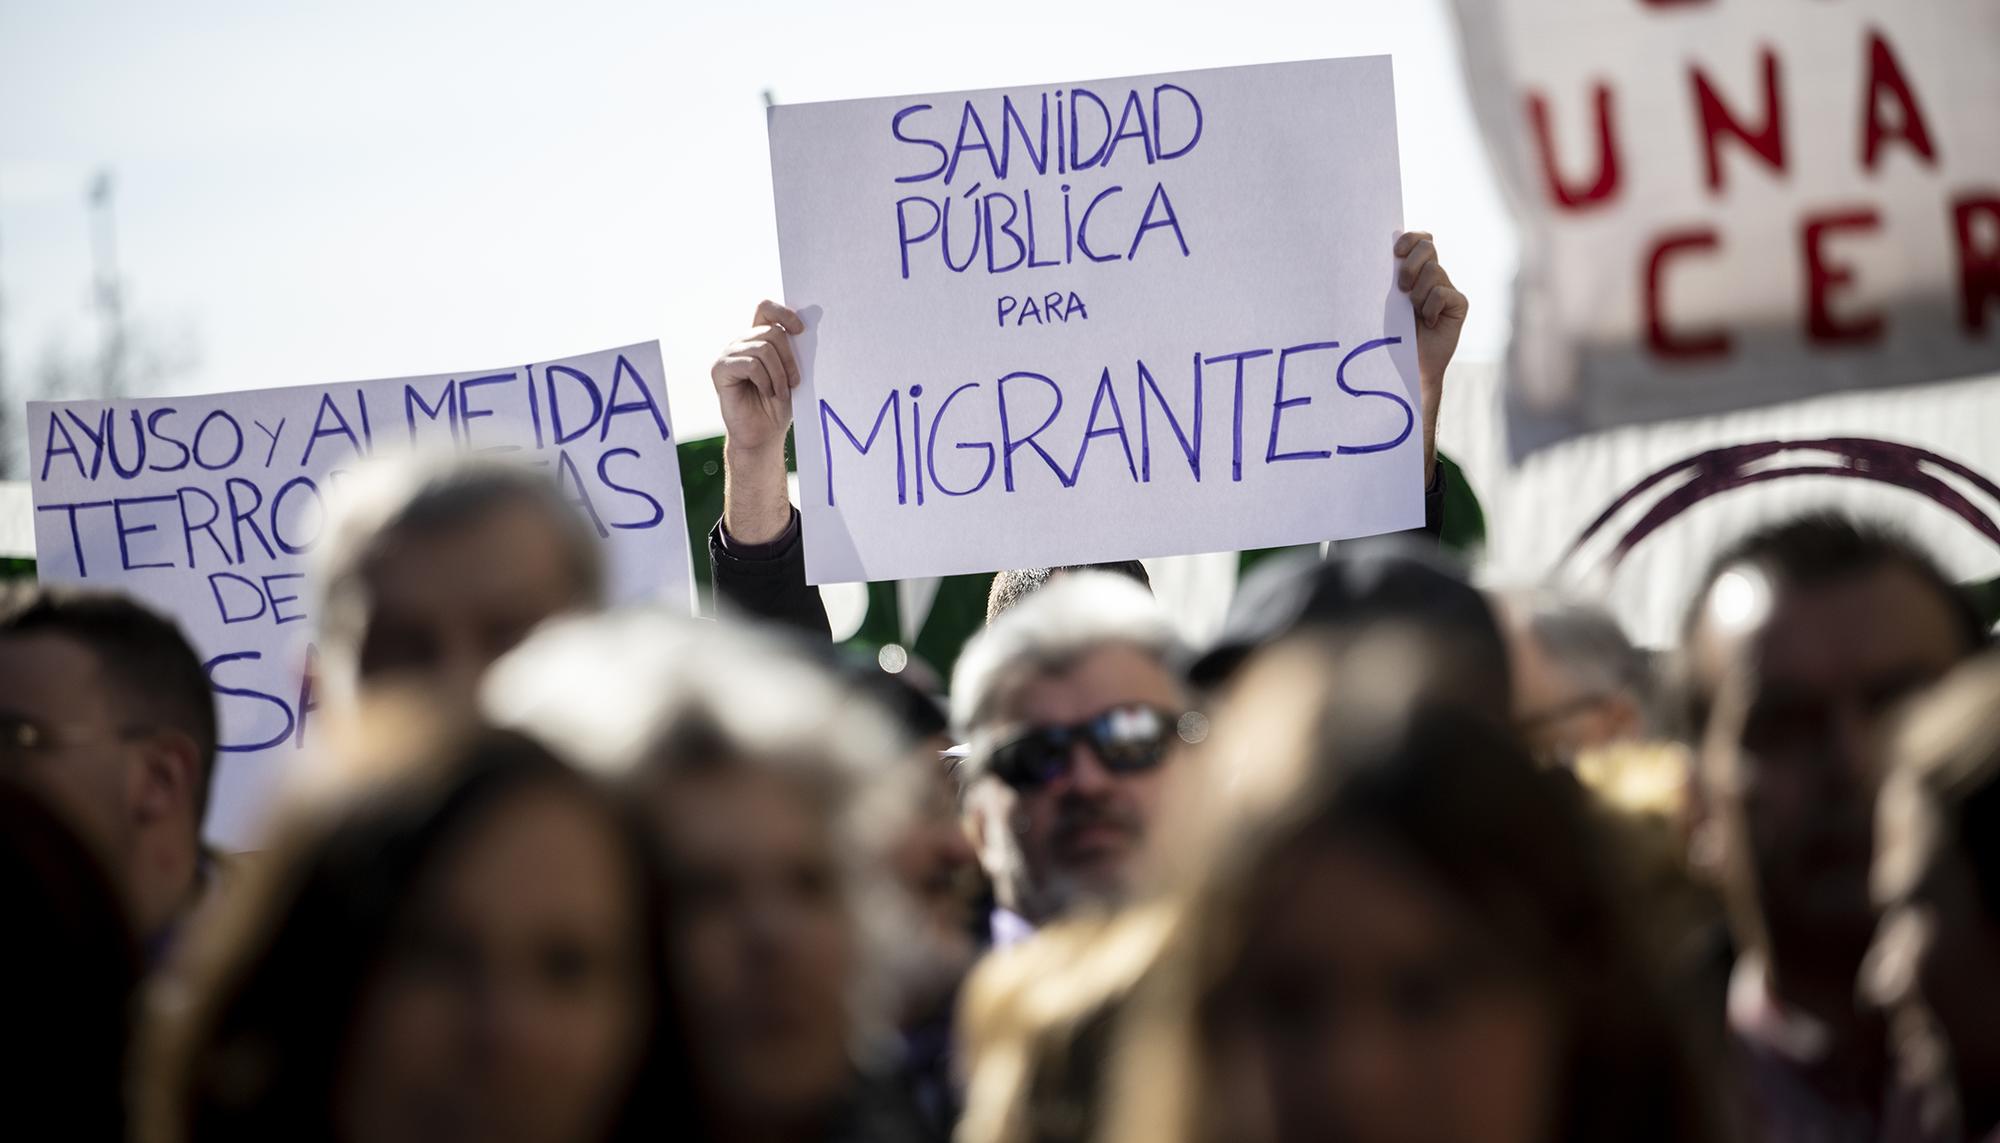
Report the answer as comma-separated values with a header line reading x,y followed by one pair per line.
x,y
1101,321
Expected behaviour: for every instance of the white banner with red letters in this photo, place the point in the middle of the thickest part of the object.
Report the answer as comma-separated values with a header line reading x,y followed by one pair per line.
x,y
1729,203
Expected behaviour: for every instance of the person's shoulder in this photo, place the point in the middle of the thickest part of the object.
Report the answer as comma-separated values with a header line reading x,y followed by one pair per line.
x,y
881,1110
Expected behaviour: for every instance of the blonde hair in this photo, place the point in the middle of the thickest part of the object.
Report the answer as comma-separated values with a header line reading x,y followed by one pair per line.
x,y
1947,768
1036,1026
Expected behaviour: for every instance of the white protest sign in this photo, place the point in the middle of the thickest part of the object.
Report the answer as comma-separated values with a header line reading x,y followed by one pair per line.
x,y
1726,204
207,507
1098,320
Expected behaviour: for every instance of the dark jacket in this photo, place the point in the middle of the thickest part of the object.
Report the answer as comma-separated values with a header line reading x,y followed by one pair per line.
x,y
768,581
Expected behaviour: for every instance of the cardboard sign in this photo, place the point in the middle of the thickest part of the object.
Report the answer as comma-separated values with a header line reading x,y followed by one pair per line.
x,y
207,508
1727,204
1098,320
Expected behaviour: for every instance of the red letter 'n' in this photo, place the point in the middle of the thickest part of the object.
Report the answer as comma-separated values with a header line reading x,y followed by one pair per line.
x,y
1767,141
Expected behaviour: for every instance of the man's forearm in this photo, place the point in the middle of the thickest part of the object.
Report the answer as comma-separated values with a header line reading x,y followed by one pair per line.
x,y
1433,389
756,504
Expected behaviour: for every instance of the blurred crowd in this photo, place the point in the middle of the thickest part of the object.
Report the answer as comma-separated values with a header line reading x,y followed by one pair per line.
x,y
1394,858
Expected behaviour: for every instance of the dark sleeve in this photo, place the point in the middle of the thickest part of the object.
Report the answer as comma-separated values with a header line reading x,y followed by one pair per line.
x,y
1431,533
1434,506
766,581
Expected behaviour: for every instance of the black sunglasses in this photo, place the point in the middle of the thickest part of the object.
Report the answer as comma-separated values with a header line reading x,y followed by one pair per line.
x,y
1126,739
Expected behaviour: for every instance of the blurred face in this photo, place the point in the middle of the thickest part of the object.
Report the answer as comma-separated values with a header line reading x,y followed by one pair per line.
x,y
1077,835
1369,1007
443,605
63,736
513,1004
1559,717
1937,952
128,789
1804,679
766,947
939,870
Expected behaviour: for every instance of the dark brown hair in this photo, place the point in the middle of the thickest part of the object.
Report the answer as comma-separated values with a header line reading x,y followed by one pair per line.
x,y
1815,550
157,672
258,1056
1458,800
68,969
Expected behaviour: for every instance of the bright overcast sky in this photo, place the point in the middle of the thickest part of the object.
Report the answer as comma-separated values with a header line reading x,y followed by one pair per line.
x,y
315,192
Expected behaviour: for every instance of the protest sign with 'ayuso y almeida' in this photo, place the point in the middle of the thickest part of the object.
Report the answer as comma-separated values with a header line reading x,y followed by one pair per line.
x,y
208,507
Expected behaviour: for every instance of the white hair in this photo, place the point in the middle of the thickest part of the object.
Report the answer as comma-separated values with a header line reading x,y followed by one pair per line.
x,y
1079,612
1586,642
645,692
614,692
422,492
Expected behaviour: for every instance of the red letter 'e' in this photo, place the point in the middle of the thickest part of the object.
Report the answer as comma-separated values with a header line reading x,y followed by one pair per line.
x,y
1824,278
1978,260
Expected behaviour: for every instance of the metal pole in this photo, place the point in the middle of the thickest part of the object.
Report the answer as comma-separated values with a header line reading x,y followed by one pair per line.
x,y
109,290
3,326
6,393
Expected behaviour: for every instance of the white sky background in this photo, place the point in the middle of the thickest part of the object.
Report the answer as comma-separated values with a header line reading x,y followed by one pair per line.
x,y
317,192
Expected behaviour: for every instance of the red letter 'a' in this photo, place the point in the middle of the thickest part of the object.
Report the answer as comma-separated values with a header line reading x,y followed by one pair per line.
x,y
1716,121
1566,196
1978,259
1886,76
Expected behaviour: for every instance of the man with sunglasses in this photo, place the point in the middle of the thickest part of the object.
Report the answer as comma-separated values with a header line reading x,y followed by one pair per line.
x,y
1072,711
105,712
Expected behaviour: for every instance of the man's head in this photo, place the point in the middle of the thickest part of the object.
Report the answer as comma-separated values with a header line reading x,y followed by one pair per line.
x,y
106,710
1366,593
1937,880
435,567
1801,641
1072,705
1579,682
1009,588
